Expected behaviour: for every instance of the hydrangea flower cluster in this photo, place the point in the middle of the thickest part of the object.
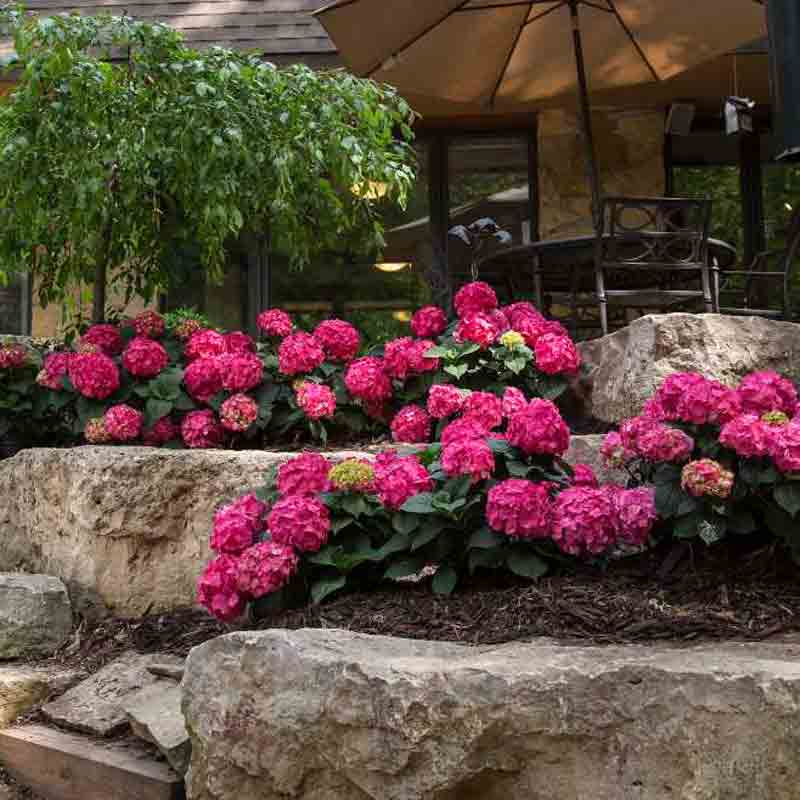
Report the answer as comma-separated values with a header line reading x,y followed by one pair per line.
x,y
412,425
200,429
149,323
203,379
55,367
429,322
316,400
367,380
265,568
106,337
95,431
300,521
538,429
205,344
707,477
164,430
238,413
398,478
339,339
300,353
274,322
144,357
307,474
445,400
556,355
521,509
352,475
472,457
236,526
94,375
123,423
240,371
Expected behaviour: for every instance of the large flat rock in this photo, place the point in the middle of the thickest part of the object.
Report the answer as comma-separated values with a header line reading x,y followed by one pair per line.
x,y
97,705
35,614
130,525
626,367
334,715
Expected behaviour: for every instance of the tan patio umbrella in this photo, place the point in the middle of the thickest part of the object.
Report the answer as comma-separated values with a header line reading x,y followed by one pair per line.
x,y
510,54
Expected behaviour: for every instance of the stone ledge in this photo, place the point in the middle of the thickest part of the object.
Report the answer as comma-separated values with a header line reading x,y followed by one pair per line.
x,y
128,527
330,714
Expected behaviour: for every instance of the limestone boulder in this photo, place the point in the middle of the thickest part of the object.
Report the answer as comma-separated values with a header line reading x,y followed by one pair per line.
x,y
626,367
35,614
334,715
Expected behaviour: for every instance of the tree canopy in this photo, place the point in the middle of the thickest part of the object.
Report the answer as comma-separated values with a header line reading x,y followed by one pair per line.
x,y
120,145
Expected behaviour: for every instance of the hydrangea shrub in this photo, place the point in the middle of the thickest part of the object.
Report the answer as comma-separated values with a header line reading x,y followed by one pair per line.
x,y
197,387
475,501
724,461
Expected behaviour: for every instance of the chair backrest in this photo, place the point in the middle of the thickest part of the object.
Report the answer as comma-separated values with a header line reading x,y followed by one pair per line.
x,y
661,233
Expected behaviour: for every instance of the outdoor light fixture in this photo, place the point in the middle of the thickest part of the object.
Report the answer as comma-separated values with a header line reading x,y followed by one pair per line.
x,y
402,316
392,266
739,115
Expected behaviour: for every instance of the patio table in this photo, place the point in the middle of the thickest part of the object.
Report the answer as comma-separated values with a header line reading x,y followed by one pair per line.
x,y
562,261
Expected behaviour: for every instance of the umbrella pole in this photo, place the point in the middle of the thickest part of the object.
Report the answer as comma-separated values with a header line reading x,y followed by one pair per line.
x,y
585,114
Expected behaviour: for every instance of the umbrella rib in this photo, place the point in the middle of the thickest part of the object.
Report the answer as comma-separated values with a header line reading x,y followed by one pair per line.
x,y
636,44
510,55
541,14
421,35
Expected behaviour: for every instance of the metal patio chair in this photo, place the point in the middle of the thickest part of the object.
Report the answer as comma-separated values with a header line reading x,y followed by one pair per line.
x,y
652,253
746,291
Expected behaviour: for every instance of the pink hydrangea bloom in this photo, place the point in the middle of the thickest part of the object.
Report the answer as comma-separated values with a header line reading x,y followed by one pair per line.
x,y
530,326
636,514
106,337
275,322
299,353
613,451
265,568
56,366
240,372
218,589
520,508
584,521
445,400
418,361
471,457
315,400
144,358
238,413
556,355
164,430
339,339
300,521
513,400
201,429
239,342
539,429
94,375
306,474
748,436
234,531
631,429
397,478
478,327
95,431
123,423
429,321
707,477
149,323
652,409
411,424
203,379
462,430
765,391
253,509
366,379
584,475
474,297
522,309
661,443
186,328
396,357
205,344
690,397
784,447
486,407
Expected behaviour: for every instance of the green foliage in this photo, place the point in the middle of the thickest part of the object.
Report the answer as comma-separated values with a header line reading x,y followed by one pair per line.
x,y
121,146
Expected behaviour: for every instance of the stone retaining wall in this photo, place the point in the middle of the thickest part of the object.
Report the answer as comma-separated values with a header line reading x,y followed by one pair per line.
x,y
129,526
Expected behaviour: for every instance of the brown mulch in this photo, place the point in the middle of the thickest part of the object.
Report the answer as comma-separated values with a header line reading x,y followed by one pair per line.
x,y
747,596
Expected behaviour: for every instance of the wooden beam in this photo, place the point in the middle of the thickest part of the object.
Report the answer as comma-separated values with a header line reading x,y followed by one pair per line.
x,y
66,766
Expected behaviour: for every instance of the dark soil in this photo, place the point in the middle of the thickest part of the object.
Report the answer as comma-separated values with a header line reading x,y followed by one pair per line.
x,y
749,595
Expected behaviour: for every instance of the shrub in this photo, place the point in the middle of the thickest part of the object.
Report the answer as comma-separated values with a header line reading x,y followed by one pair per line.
x,y
723,461
295,384
477,503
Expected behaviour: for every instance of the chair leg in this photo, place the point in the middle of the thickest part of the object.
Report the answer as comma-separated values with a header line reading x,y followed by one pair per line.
x,y
707,299
602,300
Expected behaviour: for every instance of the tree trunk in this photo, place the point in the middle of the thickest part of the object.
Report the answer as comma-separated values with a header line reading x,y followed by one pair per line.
x,y
101,276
